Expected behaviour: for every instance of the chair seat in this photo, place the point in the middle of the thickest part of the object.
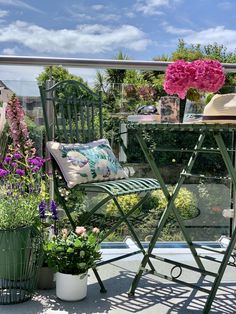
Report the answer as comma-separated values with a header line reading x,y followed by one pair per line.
x,y
122,186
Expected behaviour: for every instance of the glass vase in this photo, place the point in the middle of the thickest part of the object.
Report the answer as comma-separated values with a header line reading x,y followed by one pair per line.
x,y
194,110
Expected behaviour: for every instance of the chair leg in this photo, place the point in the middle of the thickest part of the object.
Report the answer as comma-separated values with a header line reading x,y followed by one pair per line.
x,y
131,229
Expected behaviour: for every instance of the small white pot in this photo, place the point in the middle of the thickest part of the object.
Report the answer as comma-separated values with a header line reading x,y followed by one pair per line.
x,y
71,287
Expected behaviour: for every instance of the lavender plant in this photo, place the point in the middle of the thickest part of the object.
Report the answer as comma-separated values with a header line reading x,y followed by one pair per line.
x,y
21,184
21,190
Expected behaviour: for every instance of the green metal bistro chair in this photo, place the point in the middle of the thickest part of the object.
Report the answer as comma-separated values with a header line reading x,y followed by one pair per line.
x,y
73,114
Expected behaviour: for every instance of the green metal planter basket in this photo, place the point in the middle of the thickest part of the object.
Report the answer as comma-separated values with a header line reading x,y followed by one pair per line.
x,y
20,260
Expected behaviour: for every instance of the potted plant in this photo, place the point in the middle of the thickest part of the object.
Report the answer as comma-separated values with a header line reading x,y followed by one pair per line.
x,y
49,220
21,191
71,254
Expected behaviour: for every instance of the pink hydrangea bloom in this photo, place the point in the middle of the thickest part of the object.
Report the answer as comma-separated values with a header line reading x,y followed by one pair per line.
x,y
204,75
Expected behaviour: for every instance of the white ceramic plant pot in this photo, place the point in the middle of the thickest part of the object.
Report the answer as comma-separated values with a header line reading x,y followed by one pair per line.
x,y
71,287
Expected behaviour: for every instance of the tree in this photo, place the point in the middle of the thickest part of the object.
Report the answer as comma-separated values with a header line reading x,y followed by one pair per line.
x,y
57,73
110,82
192,53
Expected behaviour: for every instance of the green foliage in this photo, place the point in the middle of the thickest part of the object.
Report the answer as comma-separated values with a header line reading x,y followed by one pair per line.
x,y
20,211
57,74
20,197
146,218
194,52
74,198
126,202
73,252
187,54
209,197
185,202
4,141
110,82
134,77
37,133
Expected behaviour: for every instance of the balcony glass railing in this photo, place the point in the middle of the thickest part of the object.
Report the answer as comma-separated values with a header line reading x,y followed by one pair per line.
x,y
207,198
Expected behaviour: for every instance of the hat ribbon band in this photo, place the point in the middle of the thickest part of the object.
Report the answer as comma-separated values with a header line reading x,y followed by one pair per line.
x,y
219,118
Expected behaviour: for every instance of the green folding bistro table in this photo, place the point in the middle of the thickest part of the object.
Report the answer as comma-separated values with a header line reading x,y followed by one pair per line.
x,y
216,132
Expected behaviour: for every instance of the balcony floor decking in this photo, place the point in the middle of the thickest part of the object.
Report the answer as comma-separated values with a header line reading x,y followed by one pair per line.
x,y
153,294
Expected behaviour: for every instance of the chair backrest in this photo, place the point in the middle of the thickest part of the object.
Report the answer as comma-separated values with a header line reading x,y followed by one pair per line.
x,y
72,112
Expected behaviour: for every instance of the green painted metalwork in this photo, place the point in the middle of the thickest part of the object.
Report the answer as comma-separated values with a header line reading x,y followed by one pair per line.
x,y
73,113
215,130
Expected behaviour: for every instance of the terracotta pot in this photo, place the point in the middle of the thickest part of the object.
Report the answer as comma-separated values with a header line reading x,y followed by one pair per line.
x,y
46,279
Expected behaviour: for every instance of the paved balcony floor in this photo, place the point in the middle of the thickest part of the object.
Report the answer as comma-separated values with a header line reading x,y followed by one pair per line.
x,y
153,294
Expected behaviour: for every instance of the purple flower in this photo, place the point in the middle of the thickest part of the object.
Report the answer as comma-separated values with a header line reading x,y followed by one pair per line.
x,y
42,209
20,172
7,159
53,209
35,169
36,161
3,172
17,156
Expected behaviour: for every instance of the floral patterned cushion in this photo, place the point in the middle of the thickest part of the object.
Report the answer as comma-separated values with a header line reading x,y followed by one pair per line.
x,y
90,162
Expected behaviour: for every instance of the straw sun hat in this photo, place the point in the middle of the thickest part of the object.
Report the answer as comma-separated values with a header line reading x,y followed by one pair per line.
x,y
220,109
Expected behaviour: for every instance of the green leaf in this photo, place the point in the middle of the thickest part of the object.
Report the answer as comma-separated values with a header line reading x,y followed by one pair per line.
x,y
77,243
60,249
70,250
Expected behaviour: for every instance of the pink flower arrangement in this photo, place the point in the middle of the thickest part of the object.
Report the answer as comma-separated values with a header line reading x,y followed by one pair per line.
x,y
203,75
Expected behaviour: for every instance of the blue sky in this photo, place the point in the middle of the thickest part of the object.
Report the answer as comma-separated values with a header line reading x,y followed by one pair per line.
x,y
142,29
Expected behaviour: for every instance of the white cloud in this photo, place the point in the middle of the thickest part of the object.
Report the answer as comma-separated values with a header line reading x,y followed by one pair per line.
x,y
219,35
85,39
98,7
78,15
3,13
130,14
20,4
109,17
176,31
9,51
153,7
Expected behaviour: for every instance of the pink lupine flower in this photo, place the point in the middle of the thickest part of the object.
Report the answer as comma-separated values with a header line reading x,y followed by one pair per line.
x,y
15,117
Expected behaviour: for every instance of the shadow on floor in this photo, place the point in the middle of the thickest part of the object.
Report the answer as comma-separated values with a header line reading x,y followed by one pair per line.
x,y
152,296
